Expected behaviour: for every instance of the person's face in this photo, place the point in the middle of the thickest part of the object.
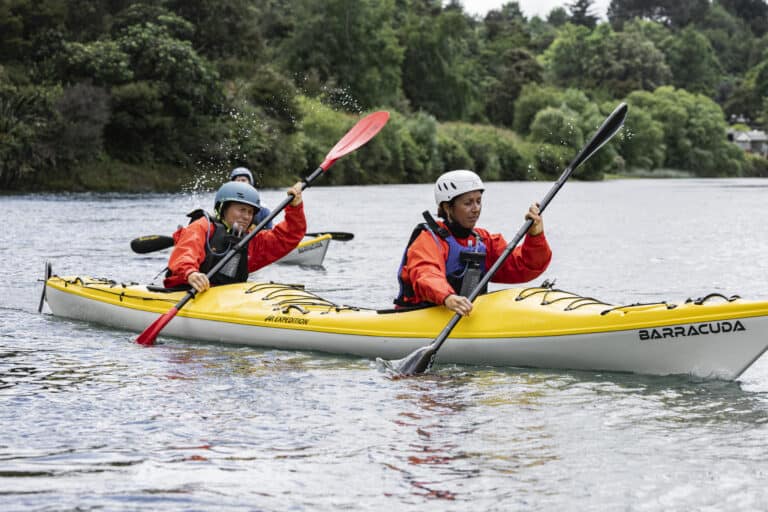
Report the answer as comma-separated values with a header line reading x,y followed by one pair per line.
x,y
242,179
239,213
466,209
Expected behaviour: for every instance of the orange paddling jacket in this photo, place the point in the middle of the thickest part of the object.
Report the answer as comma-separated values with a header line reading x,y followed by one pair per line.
x,y
265,247
424,275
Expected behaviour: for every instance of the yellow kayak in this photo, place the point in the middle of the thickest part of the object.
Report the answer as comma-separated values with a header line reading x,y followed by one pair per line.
x,y
714,337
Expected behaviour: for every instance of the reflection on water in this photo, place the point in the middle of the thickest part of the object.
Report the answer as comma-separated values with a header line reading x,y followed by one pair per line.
x,y
90,420
51,375
455,443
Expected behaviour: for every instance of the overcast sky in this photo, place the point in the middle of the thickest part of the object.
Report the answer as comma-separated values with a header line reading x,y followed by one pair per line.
x,y
530,8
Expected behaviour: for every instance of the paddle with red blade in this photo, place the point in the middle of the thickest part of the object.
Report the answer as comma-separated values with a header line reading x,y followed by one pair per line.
x,y
362,132
421,359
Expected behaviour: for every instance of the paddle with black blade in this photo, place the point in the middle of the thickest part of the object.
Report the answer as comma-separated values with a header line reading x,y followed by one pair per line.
x,y
338,236
421,359
152,243
362,132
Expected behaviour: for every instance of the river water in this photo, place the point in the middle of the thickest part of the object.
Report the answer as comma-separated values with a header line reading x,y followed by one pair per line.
x,y
90,420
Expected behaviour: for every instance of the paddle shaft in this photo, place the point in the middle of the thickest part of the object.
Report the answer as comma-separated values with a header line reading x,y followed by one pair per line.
x,y
603,135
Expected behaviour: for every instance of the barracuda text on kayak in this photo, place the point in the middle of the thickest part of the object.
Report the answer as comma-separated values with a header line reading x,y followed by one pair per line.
x,y
724,326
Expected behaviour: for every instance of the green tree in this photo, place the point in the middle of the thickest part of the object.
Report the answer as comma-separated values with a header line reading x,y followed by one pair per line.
x,y
557,126
349,44
693,62
225,29
742,100
567,58
754,91
674,13
83,112
627,62
162,91
506,23
516,68
653,31
439,74
532,99
12,43
25,129
277,95
30,32
694,131
580,13
541,34
492,152
641,140
559,132
617,63
100,62
48,129
754,12
729,36
557,17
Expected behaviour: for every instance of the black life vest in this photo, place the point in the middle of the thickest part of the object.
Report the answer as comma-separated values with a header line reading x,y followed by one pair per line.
x,y
457,266
216,247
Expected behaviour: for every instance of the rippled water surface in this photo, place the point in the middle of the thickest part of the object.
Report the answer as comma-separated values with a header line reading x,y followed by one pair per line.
x,y
90,420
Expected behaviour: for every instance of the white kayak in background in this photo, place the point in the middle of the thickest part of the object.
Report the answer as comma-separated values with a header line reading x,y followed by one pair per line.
x,y
310,252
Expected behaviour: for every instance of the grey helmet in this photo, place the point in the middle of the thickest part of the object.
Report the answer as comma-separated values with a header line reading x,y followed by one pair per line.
x,y
241,171
237,192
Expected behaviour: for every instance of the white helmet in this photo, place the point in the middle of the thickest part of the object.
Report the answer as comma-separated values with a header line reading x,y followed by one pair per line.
x,y
454,183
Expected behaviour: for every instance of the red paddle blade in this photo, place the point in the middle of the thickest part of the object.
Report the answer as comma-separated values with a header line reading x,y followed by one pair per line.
x,y
149,335
362,132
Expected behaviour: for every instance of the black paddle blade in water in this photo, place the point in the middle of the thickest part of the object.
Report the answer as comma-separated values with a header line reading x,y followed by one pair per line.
x,y
417,362
48,273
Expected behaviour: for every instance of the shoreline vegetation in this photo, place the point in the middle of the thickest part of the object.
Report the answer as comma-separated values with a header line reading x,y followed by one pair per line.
x,y
123,96
631,174
128,178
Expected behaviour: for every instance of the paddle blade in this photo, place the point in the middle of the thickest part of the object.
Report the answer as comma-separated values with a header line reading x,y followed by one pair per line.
x,y
339,236
362,132
151,243
607,130
48,273
149,335
415,363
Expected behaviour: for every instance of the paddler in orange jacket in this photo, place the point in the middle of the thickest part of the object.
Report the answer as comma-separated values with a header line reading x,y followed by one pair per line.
x,y
201,244
444,257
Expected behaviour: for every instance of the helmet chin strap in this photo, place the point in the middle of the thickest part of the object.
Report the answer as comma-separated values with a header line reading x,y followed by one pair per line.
x,y
220,212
